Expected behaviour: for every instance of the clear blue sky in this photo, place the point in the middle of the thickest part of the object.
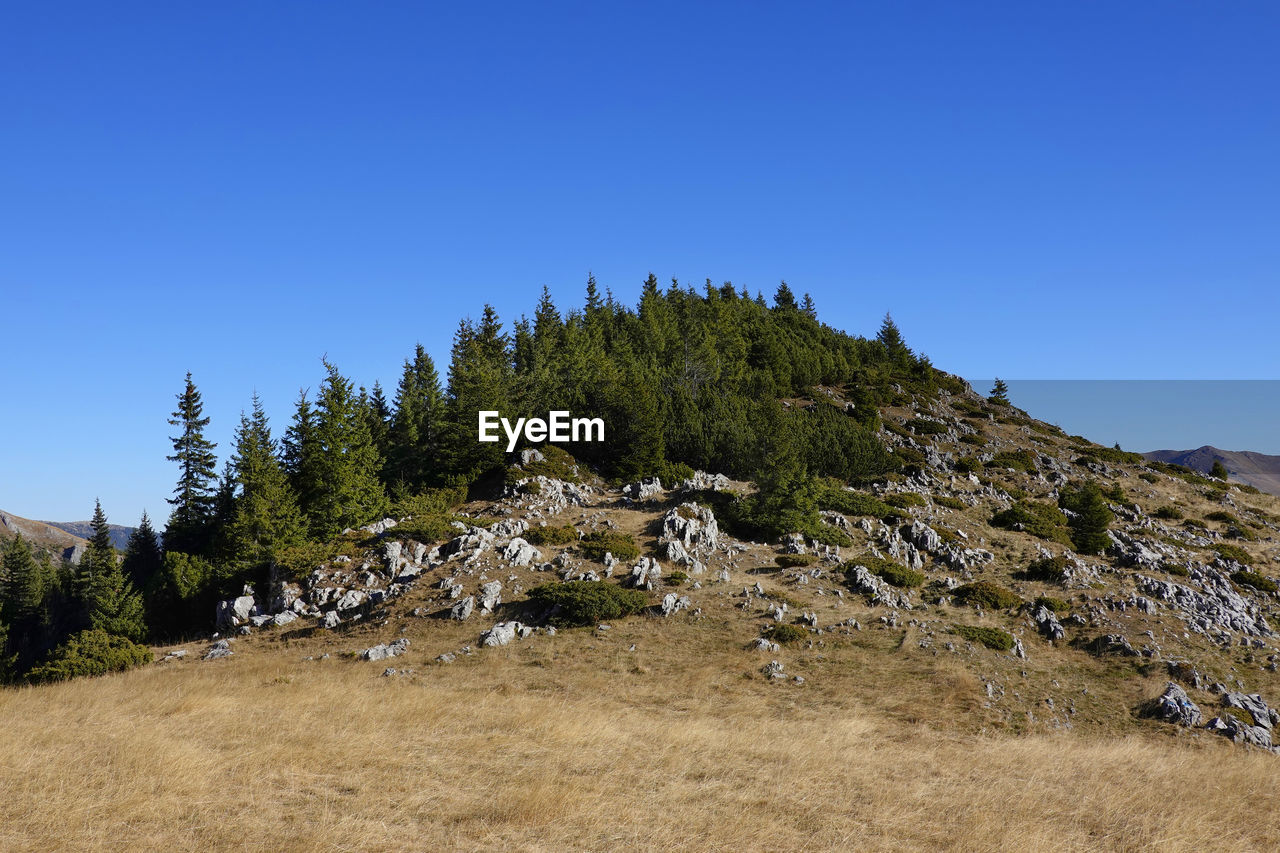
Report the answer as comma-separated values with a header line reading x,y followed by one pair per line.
x,y
1036,190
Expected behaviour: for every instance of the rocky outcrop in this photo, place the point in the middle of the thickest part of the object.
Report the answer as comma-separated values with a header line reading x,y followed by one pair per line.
x,y
1219,607
702,481
1174,706
520,553
646,573
861,580
383,651
647,489
504,632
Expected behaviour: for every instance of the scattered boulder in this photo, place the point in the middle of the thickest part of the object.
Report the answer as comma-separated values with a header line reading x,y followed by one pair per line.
x,y
1174,706
1048,624
530,455
671,603
331,620
504,632
645,573
520,553
384,651
463,609
1111,644
647,489
220,649
702,481
490,595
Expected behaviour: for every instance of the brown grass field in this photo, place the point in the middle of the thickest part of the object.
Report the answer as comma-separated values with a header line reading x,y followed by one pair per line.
x,y
579,745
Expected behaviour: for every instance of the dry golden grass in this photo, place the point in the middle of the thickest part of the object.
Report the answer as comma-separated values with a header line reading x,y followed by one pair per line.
x,y
536,751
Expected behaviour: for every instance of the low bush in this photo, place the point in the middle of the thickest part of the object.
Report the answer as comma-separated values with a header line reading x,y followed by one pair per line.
x,y
1039,519
1262,583
781,633
1047,570
792,561
556,464
1168,513
949,502
675,578
559,535
924,426
1176,569
967,465
831,496
986,594
1223,517
893,573
1149,477
976,439
1019,460
1056,605
902,500
992,638
587,602
596,544
427,529
91,652
1233,552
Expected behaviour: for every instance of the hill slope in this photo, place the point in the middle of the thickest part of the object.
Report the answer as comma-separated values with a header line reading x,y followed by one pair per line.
x,y
84,529
43,534
1257,469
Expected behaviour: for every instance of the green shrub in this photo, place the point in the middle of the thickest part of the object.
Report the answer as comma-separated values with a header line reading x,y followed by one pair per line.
x,y
430,502
1115,493
1057,605
560,535
992,638
1233,552
1149,477
1019,460
556,464
1223,517
1047,570
967,465
428,529
1039,519
831,496
976,439
1092,517
910,459
588,602
596,544
986,594
781,633
1262,583
902,500
791,561
1176,569
1168,513
89,653
892,573
949,502
825,534
675,578
924,426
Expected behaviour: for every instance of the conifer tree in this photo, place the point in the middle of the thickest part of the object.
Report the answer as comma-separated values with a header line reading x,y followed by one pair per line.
x,y
414,438
784,299
379,416
142,557
265,518
21,602
350,492
1092,516
301,456
999,393
890,337
98,559
115,606
1219,470
809,308
189,529
480,378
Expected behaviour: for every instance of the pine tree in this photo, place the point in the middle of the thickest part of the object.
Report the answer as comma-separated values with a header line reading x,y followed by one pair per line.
x,y
480,379
115,606
265,518
414,438
378,414
142,557
999,393
784,299
1219,470
890,337
301,456
98,559
809,308
1092,516
22,598
350,491
189,529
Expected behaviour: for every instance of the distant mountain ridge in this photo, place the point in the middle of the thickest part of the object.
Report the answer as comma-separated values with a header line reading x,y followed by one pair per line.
x,y
44,534
84,530
1257,469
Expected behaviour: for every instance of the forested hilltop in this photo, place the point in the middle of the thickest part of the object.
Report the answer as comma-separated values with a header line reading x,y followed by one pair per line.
x,y
717,380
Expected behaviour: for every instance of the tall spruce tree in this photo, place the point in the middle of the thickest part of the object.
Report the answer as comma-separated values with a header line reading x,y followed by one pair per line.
x,y
890,337
21,604
999,393
194,500
350,491
414,437
265,518
98,559
301,456
142,557
480,378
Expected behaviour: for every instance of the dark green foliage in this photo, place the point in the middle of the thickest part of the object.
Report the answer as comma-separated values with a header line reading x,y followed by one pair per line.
x,y
782,633
596,544
890,337
831,496
967,465
180,600
87,653
265,519
974,439
1219,470
1057,605
1148,477
893,573
190,527
558,535
999,393
415,432
948,502
1262,583
1223,517
1019,460
1115,493
987,595
427,529
992,638
556,464
142,557
1233,552
792,561
1093,517
924,426
1168,513
902,500
1176,569
1038,519
1047,570
675,578
587,602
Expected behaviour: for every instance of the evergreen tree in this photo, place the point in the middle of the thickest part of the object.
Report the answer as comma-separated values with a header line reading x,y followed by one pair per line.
x,y
301,456
999,393
1219,470
480,379
1091,517
809,308
784,299
98,559
890,338
142,558
414,440
265,518
21,606
115,606
379,415
350,491
190,525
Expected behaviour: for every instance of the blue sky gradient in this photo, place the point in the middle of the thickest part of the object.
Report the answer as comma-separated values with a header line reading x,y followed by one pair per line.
x,y
1049,190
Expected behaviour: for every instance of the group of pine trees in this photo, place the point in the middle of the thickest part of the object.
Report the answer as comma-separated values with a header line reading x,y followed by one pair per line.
x,y
716,380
